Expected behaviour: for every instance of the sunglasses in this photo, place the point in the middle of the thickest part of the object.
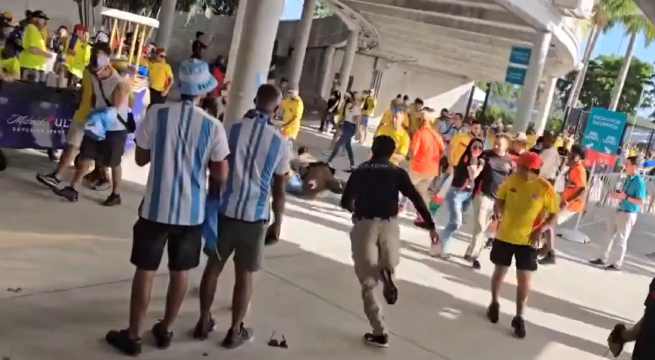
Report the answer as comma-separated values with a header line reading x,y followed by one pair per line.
x,y
278,343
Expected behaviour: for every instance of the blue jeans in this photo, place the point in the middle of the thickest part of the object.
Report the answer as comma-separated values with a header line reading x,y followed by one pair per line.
x,y
458,203
348,130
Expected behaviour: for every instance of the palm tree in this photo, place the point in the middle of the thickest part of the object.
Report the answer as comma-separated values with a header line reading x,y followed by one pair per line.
x,y
606,14
635,24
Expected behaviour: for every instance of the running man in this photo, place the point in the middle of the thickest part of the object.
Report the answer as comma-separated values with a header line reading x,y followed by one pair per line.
x,y
632,198
522,203
371,194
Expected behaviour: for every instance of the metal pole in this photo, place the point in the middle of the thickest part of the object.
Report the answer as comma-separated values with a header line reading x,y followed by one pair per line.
x,y
300,46
470,102
253,59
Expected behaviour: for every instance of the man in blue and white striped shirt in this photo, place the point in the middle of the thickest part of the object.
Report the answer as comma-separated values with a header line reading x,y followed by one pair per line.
x,y
259,160
182,143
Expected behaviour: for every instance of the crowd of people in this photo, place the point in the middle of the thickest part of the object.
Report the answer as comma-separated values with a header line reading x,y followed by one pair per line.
x,y
222,183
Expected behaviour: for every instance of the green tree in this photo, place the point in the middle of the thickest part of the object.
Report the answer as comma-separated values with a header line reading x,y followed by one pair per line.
x,y
323,9
601,79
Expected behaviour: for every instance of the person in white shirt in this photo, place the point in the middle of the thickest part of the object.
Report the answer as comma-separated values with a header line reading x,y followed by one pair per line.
x,y
550,156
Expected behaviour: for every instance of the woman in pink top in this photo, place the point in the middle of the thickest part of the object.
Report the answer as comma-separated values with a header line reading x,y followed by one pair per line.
x,y
427,149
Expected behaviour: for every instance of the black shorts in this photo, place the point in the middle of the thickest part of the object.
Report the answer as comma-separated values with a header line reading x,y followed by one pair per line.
x,y
502,253
150,238
107,152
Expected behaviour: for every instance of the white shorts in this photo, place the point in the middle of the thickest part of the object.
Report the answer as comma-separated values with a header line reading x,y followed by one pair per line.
x,y
75,135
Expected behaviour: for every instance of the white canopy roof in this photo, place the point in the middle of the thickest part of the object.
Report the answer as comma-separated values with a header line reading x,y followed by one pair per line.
x,y
128,16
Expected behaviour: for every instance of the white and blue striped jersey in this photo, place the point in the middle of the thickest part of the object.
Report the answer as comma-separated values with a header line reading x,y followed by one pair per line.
x,y
182,139
257,152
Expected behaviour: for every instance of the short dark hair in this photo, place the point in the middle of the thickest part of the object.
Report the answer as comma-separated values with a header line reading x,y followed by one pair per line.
x,y
284,80
199,34
267,94
577,150
383,147
97,48
474,121
634,160
406,97
419,101
444,109
460,115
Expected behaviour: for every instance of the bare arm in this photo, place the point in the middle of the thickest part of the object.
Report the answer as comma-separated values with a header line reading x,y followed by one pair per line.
x,y
142,156
279,198
633,333
218,172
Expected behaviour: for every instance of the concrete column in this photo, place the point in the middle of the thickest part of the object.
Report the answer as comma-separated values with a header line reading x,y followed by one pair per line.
x,y
531,86
326,72
166,22
236,38
253,59
304,28
545,104
348,60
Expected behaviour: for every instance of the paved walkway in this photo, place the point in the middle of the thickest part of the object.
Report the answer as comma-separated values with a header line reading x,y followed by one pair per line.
x,y
71,262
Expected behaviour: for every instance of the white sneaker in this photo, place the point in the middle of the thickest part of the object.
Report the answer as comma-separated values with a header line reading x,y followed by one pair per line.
x,y
435,250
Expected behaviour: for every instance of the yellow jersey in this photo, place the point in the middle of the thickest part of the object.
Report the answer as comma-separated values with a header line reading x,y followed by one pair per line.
x,y
33,38
10,67
400,137
77,61
368,109
161,75
292,111
457,147
526,204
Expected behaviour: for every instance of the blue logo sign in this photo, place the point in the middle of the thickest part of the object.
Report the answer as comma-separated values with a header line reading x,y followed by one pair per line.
x,y
516,75
604,130
520,55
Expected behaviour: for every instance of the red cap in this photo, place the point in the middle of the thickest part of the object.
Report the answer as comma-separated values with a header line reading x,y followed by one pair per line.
x,y
530,160
79,27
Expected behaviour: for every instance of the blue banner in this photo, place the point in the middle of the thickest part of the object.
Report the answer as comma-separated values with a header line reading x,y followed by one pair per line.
x,y
604,130
520,55
516,75
35,116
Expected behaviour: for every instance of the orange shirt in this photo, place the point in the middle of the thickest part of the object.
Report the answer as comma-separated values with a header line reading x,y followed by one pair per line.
x,y
427,150
576,179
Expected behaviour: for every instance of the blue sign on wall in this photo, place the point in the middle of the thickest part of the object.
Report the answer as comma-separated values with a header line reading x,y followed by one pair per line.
x,y
520,55
515,75
604,130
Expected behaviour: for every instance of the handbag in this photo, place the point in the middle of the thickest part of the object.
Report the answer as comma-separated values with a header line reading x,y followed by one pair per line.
x,y
130,123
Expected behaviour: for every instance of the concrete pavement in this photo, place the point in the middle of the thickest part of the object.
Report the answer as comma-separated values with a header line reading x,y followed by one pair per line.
x,y
71,262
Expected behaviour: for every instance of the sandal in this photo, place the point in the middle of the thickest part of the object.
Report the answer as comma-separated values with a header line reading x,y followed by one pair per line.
x,y
202,334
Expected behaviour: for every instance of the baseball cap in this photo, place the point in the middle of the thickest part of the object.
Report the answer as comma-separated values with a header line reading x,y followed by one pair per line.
x,y
195,78
530,160
39,14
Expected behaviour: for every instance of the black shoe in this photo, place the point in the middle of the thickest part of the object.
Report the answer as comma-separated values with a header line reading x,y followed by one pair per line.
x,y
121,341
202,334
101,185
49,180
612,268
381,341
68,192
390,291
235,339
162,336
519,327
476,265
112,200
549,259
468,258
597,262
493,312
52,155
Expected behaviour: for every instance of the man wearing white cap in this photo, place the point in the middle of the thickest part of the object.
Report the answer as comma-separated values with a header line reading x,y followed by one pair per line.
x,y
182,143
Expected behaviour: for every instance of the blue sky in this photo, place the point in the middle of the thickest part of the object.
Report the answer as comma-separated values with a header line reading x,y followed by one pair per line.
x,y
292,9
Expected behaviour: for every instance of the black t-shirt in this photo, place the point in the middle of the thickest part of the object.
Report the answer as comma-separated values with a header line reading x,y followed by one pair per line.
x,y
496,169
461,175
372,192
197,49
645,345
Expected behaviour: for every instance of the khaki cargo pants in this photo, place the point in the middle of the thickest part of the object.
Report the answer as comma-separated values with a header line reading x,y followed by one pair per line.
x,y
375,247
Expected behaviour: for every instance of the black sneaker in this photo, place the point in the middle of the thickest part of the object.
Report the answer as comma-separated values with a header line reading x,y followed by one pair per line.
x,y
112,200
549,259
49,180
493,312
162,336
101,185
381,341
121,341
390,290
235,339
202,334
68,192
476,265
597,262
612,268
468,258
519,327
